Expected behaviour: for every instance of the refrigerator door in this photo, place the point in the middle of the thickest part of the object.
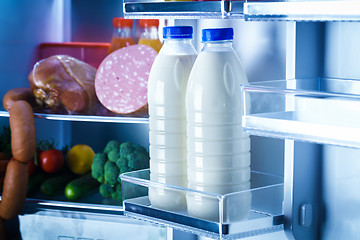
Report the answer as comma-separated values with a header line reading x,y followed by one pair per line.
x,y
340,165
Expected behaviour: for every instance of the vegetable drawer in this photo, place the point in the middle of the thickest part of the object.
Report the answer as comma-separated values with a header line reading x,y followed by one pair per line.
x,y
240,214
323,110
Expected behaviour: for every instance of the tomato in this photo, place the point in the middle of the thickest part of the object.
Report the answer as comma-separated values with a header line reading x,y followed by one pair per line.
x,y
31,167
51,160
34,163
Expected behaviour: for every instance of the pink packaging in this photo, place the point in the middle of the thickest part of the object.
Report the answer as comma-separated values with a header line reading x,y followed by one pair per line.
x,y
91,53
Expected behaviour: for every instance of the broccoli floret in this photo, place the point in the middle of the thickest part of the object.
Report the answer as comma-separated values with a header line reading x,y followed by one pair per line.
x,y
117,194
106,190
97,167
113,155
137,160
118,158
111,145
139,149
136,157
125,148
122,164
111,173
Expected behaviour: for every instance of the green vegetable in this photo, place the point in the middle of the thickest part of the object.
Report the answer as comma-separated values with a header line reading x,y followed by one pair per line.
x,y
125,148
116,159
79,187
111,173
54,185
97,167
113,155
111,145
34,182
117,194
106,190
132,157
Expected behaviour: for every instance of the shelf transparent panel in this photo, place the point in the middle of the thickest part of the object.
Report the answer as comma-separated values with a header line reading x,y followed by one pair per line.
x,y
319,110
86,118
303,10
255,211
256,10
183,9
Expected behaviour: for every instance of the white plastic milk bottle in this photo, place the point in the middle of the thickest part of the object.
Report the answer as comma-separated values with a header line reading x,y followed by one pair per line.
x,y
167,118
218,149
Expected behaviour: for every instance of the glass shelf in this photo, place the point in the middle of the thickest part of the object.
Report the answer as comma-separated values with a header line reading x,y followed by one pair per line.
x,y
34,205
255,211
303,10
323,110
86,118
183,9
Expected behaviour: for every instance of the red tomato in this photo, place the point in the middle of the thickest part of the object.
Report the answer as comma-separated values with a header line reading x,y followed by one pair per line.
x,y
51,160
31,167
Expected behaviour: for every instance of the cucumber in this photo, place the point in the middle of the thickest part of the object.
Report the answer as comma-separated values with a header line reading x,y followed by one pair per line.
x,y
54,185
79,187
34,182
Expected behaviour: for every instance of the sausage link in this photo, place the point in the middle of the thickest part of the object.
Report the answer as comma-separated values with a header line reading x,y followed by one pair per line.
x,y
23,136
14,190
17,94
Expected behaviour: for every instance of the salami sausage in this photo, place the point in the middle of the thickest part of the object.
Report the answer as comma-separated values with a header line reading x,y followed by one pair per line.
x,y
17,94
122,78
23,139
14,190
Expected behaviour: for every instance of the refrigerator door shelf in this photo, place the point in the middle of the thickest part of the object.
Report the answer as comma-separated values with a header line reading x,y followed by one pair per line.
x,y
184,9
255,10
313,110
86,118
264,214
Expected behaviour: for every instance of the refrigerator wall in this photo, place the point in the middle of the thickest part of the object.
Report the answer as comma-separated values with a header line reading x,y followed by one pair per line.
x,y
320,180
340,166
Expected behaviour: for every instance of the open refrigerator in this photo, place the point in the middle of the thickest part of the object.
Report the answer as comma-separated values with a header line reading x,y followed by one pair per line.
x,y
301,58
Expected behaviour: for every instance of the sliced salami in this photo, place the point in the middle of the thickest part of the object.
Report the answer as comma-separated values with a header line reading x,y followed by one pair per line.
x,y
122,78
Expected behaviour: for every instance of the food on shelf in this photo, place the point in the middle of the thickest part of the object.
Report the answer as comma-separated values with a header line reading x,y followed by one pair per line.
x,y
22,125
35,182
17,94
218,150
166,97
79,159
122,34
116,159
54,185
63,84
80,187
51,161
3,166
122,78
98,166
23,142
32,167
150,33
14,190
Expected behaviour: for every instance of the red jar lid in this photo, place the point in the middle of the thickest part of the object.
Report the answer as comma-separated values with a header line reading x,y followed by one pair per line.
x,y
149,23
122,22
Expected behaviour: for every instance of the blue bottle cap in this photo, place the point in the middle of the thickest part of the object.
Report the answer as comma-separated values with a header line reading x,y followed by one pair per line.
x,y
178,32
217,34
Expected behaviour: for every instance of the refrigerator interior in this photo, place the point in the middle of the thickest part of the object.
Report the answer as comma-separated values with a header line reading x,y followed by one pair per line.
x,y
319,179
